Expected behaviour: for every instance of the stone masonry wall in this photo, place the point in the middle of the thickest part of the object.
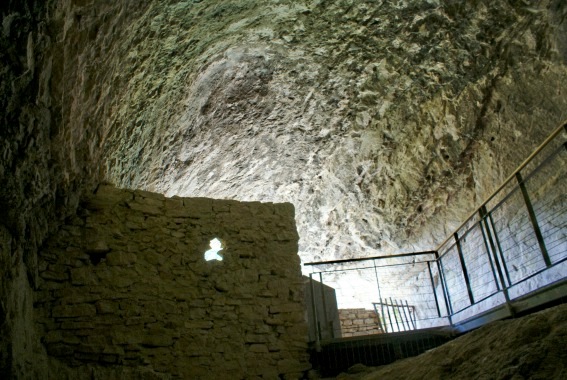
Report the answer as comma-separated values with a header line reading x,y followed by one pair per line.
x,y
356,322
125,291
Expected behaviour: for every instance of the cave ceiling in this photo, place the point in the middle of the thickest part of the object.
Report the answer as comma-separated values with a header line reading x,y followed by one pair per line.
x,y
384,122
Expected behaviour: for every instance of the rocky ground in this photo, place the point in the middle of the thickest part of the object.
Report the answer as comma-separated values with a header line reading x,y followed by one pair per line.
x,y
531,347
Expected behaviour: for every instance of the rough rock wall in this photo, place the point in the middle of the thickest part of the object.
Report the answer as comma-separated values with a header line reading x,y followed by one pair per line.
x,y
125,289
373,118
50,108
386,122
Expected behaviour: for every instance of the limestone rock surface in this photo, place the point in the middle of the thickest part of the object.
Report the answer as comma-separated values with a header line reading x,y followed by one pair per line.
x,y
383,122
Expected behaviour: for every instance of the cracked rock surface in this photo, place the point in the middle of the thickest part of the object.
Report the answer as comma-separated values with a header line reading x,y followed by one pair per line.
x,y
385,123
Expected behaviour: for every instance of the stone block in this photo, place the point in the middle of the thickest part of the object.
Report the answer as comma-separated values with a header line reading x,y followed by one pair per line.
x,y
106,196
161,306
204,325
60,349
284,235
292,366
148,195
117,276
136,320
198,207
88,357
157,339
78,310
247,235
221,205
70,337
130,337
71,295
120,258
268,373
256,338
53,336
259,348
54,276
286,210
109,358
106,307
286,308
71,325
146,208
152,258
177,234
172,206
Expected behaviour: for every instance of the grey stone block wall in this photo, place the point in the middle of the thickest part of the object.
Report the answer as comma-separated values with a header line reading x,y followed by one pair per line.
x,y
125,290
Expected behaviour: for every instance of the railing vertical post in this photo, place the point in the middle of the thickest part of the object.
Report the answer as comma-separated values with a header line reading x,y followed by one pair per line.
x,y
464,268
379,297
533,219
403,317
485,238
389,316
315,321
383,315
395,309
433,288
501,254
412,315
446,295
324,319
483,215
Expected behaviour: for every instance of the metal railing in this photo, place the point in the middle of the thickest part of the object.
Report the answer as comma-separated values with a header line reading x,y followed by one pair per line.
x,y
512,246
398,315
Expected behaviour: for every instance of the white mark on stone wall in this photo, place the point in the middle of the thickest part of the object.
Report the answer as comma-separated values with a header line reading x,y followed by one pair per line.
x,y
212,254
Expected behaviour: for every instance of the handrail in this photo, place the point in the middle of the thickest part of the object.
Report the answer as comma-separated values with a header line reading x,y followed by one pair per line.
x,y
372,258
472,274
512,176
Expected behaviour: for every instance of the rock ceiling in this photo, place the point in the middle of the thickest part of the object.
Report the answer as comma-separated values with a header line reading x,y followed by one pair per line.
x,y
384,123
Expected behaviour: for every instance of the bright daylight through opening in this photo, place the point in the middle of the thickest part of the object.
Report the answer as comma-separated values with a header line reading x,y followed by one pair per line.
x,y
213,253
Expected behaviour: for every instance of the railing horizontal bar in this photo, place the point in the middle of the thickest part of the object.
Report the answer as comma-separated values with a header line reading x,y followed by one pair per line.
x,y
372,258
374,266
516,186
479,301
540,271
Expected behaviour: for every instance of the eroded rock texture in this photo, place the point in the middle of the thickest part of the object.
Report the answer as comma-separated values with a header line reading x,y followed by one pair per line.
x,y
384,122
